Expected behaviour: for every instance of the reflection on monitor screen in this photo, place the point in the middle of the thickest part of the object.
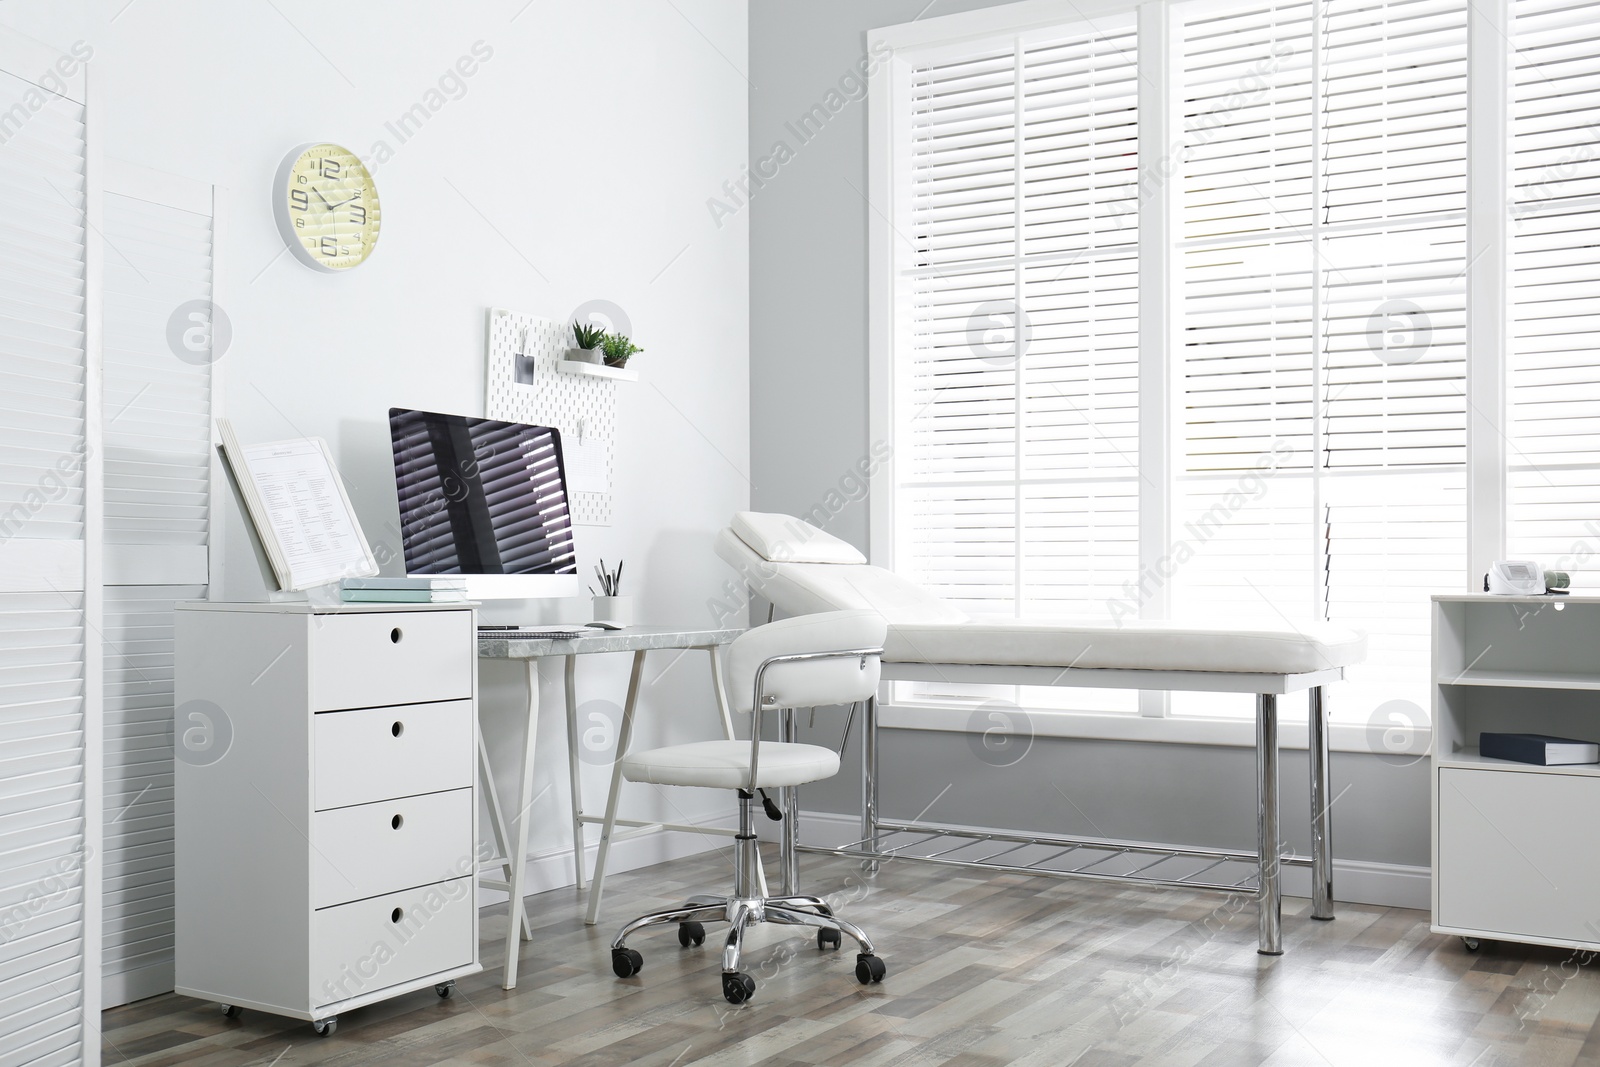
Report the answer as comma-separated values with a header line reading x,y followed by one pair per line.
x,y
481,497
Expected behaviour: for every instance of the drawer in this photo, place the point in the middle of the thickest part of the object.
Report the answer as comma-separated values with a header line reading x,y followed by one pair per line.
x,y
372,849
1518,854
383,753
384,941
365,660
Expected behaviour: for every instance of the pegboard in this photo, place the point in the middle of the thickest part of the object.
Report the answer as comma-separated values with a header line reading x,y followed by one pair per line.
x,y
523,385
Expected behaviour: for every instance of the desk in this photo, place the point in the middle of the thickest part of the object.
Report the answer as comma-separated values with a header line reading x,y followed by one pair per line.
x,y
511,836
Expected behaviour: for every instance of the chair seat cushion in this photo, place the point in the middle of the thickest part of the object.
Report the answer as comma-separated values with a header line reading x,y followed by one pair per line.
x,y
726,764
1132,646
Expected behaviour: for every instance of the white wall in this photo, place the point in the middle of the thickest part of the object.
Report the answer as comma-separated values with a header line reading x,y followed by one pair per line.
x,y
573,165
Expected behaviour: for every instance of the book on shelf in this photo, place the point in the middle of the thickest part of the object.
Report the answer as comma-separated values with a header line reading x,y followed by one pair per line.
x,y
1540,749
419,581
404,596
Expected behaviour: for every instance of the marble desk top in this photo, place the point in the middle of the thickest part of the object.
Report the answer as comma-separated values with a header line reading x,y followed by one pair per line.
x,y
628,639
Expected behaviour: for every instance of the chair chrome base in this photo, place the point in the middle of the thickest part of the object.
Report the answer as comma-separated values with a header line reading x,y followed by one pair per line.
x,y
742,910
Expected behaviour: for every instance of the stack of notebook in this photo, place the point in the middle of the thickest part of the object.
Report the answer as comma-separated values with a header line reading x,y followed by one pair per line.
x,y
423,589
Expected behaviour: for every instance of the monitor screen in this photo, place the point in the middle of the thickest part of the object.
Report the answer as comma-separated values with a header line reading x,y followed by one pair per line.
x,y
481,497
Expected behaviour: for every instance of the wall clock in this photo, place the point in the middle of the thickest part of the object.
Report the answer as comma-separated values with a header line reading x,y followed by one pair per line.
x,y
327,208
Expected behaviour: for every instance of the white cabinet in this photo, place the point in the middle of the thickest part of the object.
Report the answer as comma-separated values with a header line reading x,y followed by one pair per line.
x,y
1516,847
326,808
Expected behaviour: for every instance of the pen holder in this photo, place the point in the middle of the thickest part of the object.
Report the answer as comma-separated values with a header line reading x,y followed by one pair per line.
x,y
614,609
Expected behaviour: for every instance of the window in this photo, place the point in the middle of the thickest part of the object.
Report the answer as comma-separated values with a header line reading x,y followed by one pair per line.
x,y
1019,418
1234,383
1320,255
1553,490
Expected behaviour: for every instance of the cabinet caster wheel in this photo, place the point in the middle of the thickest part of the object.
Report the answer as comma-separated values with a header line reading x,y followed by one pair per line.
x,y
325,1027
828,937
869,969
738,988
1471,944
691,933
230,1011
626,962
444,989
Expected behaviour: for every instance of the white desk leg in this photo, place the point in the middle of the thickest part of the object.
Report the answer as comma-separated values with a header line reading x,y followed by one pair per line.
x,y
519,832
497,824
574,782
719,685
624,738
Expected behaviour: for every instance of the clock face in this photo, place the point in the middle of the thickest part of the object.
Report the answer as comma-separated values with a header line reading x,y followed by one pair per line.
x,y
327,207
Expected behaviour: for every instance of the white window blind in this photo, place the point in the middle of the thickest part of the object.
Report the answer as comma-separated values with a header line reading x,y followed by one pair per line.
x,y
1553,364
1020,465
1321,280
157,419
47,827
1018,471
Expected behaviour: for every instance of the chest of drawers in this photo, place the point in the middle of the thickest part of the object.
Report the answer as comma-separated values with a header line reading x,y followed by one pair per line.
x,y
326,805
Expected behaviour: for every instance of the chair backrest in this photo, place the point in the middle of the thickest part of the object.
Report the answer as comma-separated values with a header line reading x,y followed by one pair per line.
x,y
808,682
815,571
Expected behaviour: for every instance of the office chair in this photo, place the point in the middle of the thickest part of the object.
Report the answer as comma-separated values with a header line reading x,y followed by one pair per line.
x,y
823,659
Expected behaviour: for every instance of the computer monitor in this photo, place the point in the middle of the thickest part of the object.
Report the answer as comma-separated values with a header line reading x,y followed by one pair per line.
x,y
486,500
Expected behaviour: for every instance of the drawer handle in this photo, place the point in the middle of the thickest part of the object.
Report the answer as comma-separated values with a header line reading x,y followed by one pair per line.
x,y
398,728
396,915
397,822
395,635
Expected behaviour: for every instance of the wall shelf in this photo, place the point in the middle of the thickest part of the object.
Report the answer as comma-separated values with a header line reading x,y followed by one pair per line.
x,y
596,370
1517,679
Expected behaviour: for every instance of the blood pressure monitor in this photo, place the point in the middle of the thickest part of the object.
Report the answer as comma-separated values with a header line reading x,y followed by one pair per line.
x,y
1513,577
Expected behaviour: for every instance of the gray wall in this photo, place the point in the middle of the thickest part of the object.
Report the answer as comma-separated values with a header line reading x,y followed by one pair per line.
x,y
808,413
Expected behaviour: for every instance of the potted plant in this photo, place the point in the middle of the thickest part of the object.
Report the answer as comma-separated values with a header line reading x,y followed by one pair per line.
x,y
589,340
617,349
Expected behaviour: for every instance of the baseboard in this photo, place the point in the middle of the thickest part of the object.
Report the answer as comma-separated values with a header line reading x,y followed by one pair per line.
x,y
125,987
552,869
1387,885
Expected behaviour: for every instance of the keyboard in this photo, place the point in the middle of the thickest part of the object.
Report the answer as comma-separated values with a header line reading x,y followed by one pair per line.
x,y
533,633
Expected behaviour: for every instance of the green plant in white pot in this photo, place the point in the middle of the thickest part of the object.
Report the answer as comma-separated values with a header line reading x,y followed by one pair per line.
x,y
589,339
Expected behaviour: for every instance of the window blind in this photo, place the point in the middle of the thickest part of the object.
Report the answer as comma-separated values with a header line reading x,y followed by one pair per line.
x,y
1321,278
1553,362
46,930
158,359
1017,490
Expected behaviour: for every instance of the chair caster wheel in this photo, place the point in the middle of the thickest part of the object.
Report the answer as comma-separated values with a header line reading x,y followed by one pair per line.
x,y
1471,944
828,937
738,988
869,969
626,962
230,1011
325,1027
691,933
444,989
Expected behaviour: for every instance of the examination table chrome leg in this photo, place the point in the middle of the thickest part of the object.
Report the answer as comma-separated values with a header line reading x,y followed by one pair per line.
x,y
869,782
1321,821
1269,893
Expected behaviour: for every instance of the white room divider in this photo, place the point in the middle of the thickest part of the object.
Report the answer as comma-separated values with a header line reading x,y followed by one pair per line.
x,y
160,344
49,564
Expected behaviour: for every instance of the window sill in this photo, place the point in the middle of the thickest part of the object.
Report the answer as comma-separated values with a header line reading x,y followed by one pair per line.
x,y
1411,743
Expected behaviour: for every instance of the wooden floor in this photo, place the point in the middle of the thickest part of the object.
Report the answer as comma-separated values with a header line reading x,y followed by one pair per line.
x,y
983,972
